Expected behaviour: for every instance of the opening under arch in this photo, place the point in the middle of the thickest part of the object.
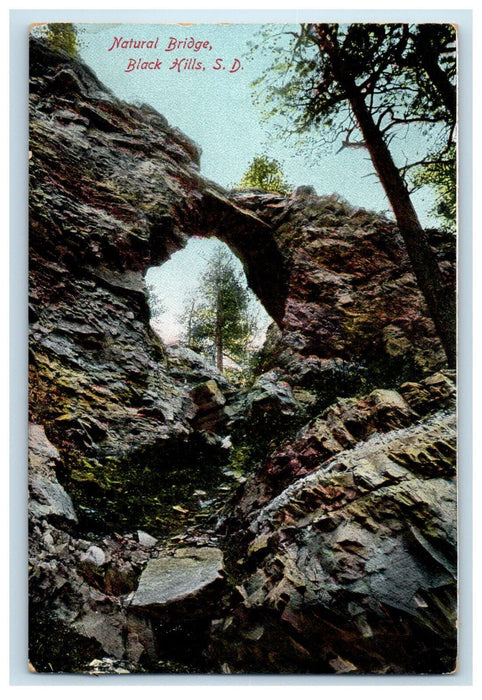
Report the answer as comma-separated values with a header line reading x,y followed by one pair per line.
x,y
183,303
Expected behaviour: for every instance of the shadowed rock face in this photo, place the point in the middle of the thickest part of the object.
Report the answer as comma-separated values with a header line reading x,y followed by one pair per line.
x,y
340,548
351,290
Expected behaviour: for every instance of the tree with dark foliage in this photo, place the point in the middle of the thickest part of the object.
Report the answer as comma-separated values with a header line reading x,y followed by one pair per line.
x,y
218,319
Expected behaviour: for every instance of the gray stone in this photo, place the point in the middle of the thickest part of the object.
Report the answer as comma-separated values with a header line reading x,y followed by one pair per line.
x,y
269,395
209,402
175,578
49,498
48,540
94,555
190,364
387,398
46,496
268,388
39,445
145,540
106,629
208,395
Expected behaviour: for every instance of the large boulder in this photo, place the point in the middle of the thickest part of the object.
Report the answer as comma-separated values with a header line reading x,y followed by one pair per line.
x,y
210,402
190,573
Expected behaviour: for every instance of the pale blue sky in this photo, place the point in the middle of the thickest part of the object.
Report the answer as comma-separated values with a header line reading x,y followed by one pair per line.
x,y
214,108
179,276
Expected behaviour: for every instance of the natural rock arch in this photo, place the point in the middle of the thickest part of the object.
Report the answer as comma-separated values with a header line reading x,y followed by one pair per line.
x,y
250,238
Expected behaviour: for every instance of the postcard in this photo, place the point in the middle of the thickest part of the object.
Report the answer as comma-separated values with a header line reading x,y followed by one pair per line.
x,y
243,349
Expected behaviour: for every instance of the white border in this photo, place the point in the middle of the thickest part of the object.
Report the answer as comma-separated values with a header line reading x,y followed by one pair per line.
x,y
19,19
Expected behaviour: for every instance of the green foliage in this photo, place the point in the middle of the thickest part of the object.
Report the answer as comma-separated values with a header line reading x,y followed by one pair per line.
x,y
251,447
441,175
63,37
152,489
240,375
265,174
218,318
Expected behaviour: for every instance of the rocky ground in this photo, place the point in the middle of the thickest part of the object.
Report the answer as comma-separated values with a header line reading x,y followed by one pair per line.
x,y
178,524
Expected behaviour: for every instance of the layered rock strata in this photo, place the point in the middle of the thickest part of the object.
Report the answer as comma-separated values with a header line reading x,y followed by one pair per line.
x,y
345,543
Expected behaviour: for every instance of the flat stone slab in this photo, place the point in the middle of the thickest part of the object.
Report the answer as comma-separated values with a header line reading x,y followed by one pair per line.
x,y
175,578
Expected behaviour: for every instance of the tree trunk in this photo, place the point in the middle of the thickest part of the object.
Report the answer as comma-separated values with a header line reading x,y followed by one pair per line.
x,y
219,353
190,324
439,296
219,333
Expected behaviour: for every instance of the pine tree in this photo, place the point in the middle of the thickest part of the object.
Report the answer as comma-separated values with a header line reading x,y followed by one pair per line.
x,y
218,319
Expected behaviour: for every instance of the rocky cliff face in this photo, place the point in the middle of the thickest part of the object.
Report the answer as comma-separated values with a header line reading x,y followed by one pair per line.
x,y
345,543
342,539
